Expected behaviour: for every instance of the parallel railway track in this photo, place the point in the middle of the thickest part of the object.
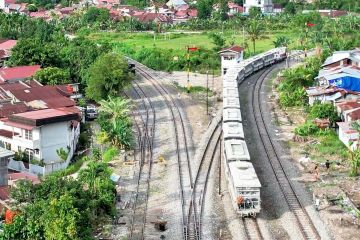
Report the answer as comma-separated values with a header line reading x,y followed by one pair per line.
x,y
181,141
303,220
145,142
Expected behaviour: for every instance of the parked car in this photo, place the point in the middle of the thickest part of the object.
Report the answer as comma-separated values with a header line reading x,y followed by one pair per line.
x,y
91,112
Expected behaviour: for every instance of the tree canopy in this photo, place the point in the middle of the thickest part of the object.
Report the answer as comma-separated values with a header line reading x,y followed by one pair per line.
x,y
108,75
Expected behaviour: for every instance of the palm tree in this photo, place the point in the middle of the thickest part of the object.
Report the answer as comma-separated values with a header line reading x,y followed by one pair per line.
x,y
116,107
281,41
255,30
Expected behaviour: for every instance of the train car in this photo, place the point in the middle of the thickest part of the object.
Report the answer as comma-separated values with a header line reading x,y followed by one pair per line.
x,y
269,58
241,75
236,150
258,62
280,54
248,68
233,130
231,115
230,92
231,102
244,188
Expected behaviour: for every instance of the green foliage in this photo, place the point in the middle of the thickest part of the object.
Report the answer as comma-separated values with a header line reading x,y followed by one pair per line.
x,y
281,41
99,15
323,111
290,8
291,88
53,76
204,8
61,207
306,129
108,75
114,119
218,40
255,12
62,153
109,154
255,30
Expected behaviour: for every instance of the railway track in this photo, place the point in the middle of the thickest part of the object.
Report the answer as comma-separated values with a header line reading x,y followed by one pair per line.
x,y
195,213
252,229
145,143
303,220
181,142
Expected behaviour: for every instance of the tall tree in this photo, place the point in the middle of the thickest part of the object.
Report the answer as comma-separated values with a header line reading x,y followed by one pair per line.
x,y
108,75
204,8
255,30
53,76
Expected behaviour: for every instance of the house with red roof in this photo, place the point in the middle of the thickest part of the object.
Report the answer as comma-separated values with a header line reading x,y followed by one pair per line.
x,y
154,17
5,50
14,74
40,134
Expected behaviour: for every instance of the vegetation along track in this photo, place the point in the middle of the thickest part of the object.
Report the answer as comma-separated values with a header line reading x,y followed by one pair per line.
x,y
138,220
196,210
302,218
181,142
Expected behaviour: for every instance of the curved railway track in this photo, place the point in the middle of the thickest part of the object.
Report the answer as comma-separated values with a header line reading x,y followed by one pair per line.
x,y
196,213
184,166
302,218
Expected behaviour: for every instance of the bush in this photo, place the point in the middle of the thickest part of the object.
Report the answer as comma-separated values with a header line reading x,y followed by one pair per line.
x,y
306,129
110,154
323,111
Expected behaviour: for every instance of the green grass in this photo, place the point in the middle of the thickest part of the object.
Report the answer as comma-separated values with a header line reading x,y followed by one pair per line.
x,y
179,41
329,147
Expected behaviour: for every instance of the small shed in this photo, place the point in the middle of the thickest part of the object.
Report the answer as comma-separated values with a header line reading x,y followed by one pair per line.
x,y
229,56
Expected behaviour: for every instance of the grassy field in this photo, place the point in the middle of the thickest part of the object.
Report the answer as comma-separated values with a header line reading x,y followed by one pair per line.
x,y
179,41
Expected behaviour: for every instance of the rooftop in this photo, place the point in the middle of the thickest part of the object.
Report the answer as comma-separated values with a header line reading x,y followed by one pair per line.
x,y
245,174
8,44
8,109
236,150
42,117
5,153
236,49
18,73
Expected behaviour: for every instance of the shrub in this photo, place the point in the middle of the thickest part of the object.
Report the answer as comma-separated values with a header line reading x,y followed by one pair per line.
x,y
322,111
110,154
306,129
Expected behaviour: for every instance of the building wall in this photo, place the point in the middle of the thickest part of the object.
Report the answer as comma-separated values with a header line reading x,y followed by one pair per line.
x,y
346,138
265,5
2,4
227,63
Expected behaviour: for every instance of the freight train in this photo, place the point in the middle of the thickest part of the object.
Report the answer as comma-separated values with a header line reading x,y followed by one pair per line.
x,y
243,183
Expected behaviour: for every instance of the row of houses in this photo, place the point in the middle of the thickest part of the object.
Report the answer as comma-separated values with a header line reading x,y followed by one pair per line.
x,y
173,12
338,83
36,121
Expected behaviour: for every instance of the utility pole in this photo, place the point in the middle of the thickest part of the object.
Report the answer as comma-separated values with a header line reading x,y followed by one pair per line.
x,y
207,91
188,70
220,167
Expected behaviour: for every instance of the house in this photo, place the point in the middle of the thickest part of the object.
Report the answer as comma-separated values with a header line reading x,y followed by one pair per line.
x,y
278,8
323,80
13,178
348,135
229,56
343,58
40,135
154,17
5,156
15,74
324,94
234,8
5,50
266,6
176,4
343,106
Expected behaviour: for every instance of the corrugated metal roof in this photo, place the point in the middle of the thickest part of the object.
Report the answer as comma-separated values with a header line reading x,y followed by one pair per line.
x,y
5,153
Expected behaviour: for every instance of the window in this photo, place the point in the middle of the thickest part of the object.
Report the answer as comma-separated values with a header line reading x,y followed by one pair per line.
x,y
225,69
19,148
28,134
29,154
7,146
